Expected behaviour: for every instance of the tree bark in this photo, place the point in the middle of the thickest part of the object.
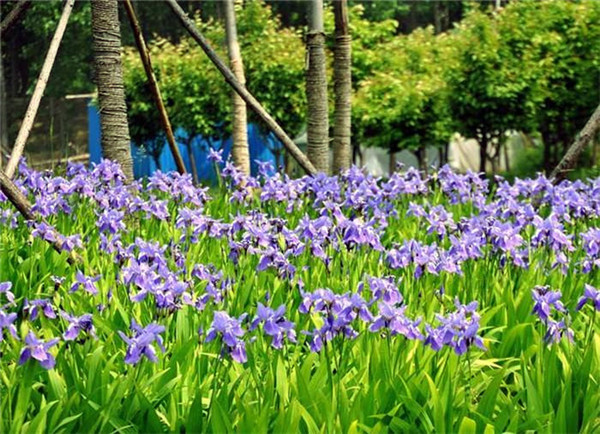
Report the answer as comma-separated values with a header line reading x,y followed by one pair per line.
x,y
342,75
3,115
483,146
193,166
13,16
147,62
38,92
316,90
241,90
239,150
569,160
106,36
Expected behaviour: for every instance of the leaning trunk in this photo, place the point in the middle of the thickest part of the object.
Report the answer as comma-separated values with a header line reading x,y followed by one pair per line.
x,y
342,149
569,161
106,36
239,151
316,90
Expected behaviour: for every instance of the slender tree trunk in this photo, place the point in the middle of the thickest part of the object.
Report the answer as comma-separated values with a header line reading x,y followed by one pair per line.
x,y
586,135
239,150
437,16
3,116
357,156
194,168
342,74
392,163
423,162
106,35
38,92
316,90
483,146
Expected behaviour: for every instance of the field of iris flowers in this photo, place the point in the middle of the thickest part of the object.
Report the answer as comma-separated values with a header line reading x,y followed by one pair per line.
x,y
419,303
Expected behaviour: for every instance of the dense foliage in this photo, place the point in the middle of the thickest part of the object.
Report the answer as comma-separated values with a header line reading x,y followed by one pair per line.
x,y
428,303
531,66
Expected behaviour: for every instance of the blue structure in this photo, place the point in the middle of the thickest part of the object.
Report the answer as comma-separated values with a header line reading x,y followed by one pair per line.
x,y
262,148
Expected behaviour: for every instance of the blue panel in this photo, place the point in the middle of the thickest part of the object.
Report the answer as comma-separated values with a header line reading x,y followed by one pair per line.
x,y
94,147
261,147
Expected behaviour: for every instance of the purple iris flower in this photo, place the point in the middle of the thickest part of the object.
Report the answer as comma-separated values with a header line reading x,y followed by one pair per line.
x,y
140,344
458,329
339,311
394,319
70,243
556,331
386,289
78,324
111,221
215,156
590,294
58,281
38,350
230,330
88,283
544,300
6,322
44,231
274,324
34,307
5,288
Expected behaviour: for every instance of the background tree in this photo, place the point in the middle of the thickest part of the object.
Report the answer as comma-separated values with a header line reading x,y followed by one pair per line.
x,y
240,152
342,75
491,88
106,36
404,104
316,89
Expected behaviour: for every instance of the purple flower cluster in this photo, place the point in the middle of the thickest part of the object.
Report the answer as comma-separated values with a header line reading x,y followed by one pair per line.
x,y
457,329
546,303
351,216
274,325
140,344
590,295
230,331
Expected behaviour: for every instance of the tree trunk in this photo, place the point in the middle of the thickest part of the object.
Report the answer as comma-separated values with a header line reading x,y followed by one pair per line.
x,y
194,168
342,74
422,157
106,35
586,135
239,149
357,156
392,164
3,116
316,90
506,157
483,146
